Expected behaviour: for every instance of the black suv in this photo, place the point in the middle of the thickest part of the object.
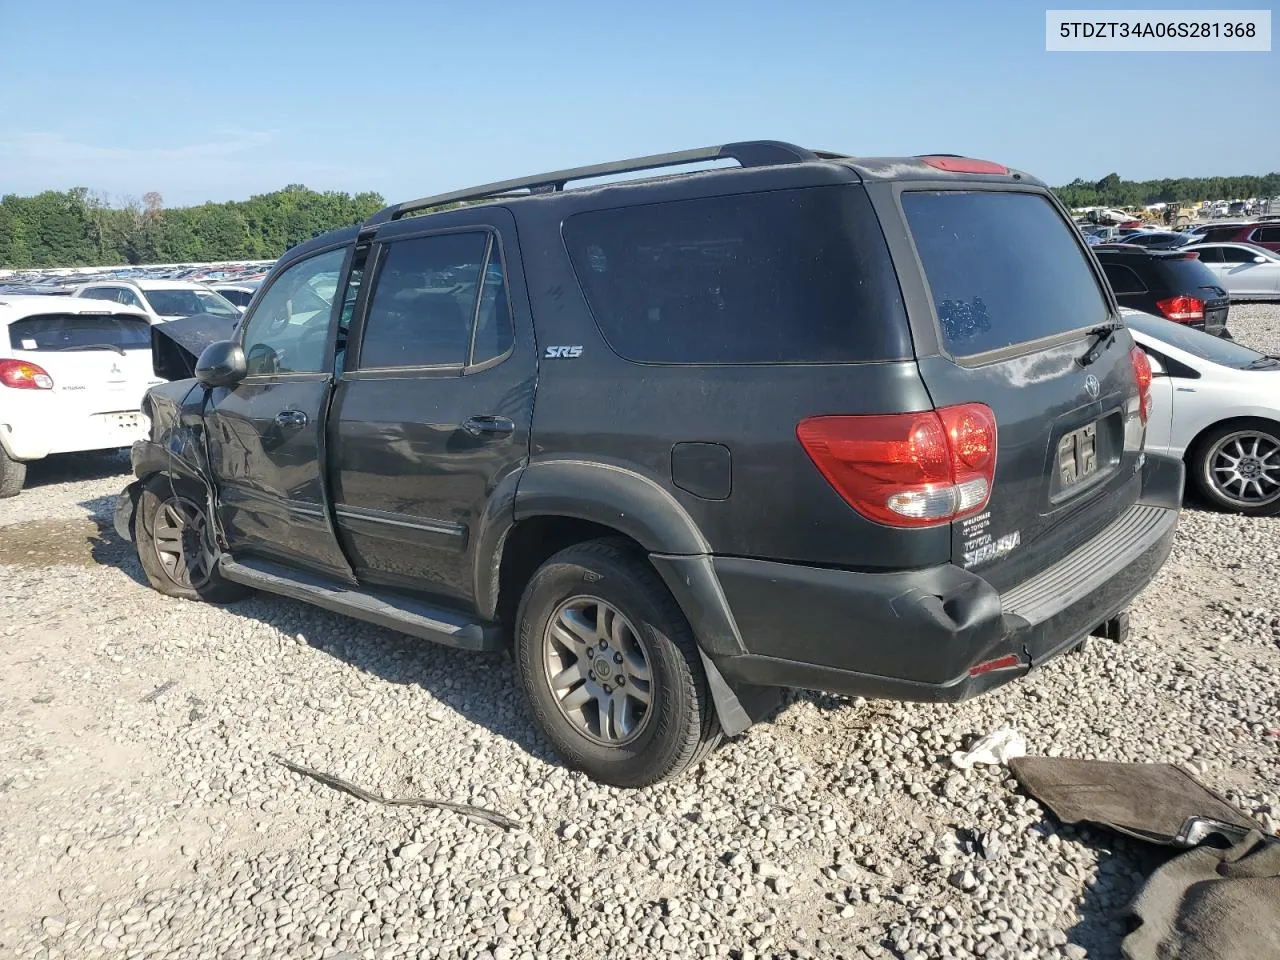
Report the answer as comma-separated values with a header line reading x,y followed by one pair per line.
x,y
1173,284
869,426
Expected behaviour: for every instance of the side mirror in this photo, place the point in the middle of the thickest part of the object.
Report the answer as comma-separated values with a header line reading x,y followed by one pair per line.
x,y
1259,259
222,364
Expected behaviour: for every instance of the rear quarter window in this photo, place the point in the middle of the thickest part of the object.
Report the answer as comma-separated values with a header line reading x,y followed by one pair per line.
x,y
1002,268
788,276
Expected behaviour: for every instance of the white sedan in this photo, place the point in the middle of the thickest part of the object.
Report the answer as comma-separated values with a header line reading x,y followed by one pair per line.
x,y
73,373
1245,270
1216,404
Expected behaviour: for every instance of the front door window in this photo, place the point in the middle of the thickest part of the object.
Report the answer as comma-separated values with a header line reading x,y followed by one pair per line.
x,y
288,331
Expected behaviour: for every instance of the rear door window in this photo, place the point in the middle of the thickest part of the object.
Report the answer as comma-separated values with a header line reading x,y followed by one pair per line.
x,y
1003,268
424,300
51,332
1122,279
1210,254
1237,255
789,276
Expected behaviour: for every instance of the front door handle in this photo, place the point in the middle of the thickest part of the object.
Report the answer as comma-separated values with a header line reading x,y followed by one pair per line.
x,y
488,426
291,418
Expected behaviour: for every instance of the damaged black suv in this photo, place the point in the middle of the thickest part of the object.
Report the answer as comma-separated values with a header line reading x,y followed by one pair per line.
x,y
869,426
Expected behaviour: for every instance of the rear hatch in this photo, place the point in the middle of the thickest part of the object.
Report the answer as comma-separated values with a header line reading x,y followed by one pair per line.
x,y
1185,276
100,363
1015,297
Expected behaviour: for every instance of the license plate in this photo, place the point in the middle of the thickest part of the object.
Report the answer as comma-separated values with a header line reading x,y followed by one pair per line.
x,y
1078,455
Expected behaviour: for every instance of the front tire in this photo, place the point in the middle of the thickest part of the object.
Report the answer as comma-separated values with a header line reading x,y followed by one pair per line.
x,y
13,473
175,547
611,668
1236,467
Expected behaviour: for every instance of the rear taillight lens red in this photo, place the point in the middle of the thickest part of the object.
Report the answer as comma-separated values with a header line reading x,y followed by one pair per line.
x,y
907,469
21,375
1142,372
1181,309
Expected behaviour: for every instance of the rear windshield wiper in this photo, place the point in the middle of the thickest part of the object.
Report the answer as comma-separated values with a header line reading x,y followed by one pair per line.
x,y
94,346
1104,334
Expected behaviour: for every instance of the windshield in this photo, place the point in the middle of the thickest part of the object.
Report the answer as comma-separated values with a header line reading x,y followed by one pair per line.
x,y
1227,353
63,331
1003,268
181,302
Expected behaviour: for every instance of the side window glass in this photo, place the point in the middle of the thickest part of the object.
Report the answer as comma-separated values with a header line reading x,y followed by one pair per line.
x,y
1209,254
424,302
1237,255
129,298
1122,279
288,330
1268,235
494,334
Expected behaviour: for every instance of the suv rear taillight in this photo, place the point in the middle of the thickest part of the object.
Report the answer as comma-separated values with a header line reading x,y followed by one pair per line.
x,y
1142,372
1181,309
907,469
22,375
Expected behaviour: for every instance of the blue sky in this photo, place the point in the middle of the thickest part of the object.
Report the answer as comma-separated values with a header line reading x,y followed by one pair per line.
x,y
216,101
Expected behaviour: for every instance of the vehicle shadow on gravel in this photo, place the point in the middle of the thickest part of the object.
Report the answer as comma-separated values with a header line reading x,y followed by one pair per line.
x,y
482,688
106,546
1122,868
76,467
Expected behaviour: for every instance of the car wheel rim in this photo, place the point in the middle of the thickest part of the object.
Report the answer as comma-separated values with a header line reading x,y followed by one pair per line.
x,y
1244,467
181,544
598,670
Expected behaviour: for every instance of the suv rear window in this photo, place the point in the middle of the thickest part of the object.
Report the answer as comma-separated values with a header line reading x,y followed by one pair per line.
x,y
77,331
1003,268
789,276
1186,274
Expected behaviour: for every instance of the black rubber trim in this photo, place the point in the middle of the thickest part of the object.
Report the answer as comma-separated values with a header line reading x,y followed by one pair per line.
x,y
1082,571
404,614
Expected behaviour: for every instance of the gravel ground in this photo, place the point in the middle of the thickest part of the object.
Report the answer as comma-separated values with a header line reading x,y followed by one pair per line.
x,y
143,815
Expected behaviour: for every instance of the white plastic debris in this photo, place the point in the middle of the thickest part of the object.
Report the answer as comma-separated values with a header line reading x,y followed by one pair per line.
x,y
998,747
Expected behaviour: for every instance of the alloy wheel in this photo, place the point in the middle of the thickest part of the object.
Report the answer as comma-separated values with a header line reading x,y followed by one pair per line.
x,y
1244,467
181,542
598,669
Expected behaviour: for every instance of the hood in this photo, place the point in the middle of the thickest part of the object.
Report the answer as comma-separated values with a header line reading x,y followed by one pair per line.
x,y
176,345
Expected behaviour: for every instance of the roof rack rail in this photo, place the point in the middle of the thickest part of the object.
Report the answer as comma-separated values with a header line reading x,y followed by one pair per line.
x,y
748,153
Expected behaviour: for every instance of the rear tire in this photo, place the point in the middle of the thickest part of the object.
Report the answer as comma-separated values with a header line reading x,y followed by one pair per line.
x,y
174,547
1236,467
611,668
13,473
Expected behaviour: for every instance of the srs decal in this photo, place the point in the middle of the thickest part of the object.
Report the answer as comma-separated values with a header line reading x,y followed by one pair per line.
x,y
554,353
980,546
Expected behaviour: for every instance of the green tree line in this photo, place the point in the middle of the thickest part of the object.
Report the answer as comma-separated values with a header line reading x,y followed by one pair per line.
x,y
77,228
1111,191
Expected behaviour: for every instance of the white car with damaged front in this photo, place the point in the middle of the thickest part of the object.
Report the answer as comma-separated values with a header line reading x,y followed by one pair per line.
x,y
73,373
1215,404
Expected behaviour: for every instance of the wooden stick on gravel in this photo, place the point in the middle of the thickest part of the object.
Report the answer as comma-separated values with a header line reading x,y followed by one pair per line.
x,y
337,783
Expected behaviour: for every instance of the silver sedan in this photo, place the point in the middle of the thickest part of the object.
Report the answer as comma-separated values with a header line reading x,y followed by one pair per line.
x,y
1216,404
1245,270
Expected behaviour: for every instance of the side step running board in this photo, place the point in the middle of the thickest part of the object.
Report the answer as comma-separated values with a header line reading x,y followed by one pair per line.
x,y
404,614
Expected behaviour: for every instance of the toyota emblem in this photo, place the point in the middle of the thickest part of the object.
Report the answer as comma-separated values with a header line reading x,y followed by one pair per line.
x,y
1092,387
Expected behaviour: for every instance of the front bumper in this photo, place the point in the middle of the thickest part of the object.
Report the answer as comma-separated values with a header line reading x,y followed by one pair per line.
x,y
919,635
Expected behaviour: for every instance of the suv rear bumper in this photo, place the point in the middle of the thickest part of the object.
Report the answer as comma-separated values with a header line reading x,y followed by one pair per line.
x,y
918,635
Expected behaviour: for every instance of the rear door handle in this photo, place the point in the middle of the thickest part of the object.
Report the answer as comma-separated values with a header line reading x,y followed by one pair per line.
x,y
488,426
291,418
